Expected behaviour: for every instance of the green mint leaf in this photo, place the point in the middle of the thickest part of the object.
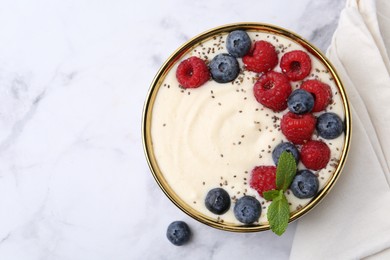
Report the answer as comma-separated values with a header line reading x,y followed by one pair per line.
x,y
285,171
271,194
278,214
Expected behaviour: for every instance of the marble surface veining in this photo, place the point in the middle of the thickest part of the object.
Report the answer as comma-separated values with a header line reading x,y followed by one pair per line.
x,y
74,183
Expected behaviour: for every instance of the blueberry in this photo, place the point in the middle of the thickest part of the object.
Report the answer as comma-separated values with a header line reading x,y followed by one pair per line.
x,y
300,102
286,146
329,125
224,68
178,233
305,184
247,209
217,201
238,43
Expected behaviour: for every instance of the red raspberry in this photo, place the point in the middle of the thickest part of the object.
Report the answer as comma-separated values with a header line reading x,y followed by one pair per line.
x,y
315,155
261,58
192,73
296,65
298,128
321,92
272,90
263,178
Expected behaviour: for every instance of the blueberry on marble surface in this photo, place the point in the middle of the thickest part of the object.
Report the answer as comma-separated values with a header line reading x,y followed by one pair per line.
x,y
224,68
178,233
247,209
285,146
305,184
217,201
329,125
238,43
300,102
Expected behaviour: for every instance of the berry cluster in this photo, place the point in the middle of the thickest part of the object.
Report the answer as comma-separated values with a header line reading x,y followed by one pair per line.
x,y
224,67
273,90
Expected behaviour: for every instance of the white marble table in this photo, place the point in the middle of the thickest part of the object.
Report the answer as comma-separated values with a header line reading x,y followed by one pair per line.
x,y
74,183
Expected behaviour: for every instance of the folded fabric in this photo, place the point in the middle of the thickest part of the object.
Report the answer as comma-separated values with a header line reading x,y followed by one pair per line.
x,y
353,221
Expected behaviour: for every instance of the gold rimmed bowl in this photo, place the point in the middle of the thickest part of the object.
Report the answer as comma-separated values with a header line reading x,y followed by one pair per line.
x,y
155,161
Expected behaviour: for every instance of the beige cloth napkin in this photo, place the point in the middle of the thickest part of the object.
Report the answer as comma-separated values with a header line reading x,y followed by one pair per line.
x,y
353,221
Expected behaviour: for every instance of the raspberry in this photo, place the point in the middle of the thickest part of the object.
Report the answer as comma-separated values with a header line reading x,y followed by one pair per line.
x,y
315,155
261,58
296,65
321,92
192,73
298,128
272,90
263,179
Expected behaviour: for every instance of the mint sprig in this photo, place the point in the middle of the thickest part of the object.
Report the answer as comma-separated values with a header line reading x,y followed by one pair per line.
x,y
285,171
271,194
279,214
279,211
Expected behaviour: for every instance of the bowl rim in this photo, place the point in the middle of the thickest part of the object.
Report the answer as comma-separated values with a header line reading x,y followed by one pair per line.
x,y
160,76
